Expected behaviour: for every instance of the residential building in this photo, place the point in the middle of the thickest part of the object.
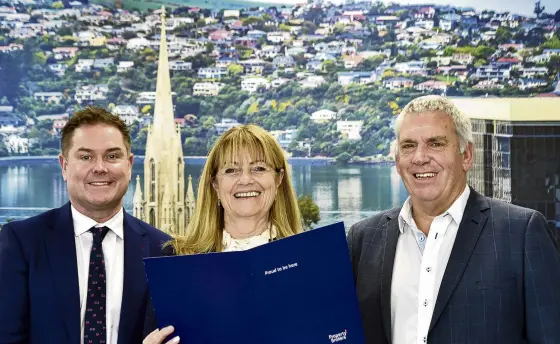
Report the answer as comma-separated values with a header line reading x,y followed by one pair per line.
x,y
91,93
350,129
398,82
224,125
49,97
124,66
252,85
206,89
180,65
211,73
323,116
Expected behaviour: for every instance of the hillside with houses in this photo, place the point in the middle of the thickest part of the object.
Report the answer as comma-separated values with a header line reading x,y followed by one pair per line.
x,y
325,80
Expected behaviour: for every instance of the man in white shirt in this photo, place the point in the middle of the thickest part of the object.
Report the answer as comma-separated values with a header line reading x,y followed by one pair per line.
x,y
450,265
75,274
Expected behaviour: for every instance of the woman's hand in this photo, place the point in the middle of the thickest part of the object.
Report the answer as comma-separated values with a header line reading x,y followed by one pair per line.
x,y
158,336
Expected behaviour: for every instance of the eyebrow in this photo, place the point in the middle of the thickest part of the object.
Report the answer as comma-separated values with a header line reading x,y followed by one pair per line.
x,y
430,139
110,150
437,138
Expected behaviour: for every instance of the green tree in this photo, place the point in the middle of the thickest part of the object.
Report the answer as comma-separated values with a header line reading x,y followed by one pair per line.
x,y
309,211
57,5
235,69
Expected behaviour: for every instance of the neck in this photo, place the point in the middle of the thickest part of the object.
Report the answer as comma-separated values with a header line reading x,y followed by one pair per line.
x,y
99,215
424,213
242,228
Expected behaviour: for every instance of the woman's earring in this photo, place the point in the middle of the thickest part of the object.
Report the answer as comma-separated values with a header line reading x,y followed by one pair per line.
x,y
219,202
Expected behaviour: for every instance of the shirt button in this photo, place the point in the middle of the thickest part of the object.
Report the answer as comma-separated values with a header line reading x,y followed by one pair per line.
x,y
428,269
422,238
425,339
425,303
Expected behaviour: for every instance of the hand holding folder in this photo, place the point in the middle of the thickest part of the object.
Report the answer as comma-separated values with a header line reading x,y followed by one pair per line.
x,y
298,289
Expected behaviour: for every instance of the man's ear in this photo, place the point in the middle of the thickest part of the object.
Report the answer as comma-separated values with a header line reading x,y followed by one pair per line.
x,y
63,164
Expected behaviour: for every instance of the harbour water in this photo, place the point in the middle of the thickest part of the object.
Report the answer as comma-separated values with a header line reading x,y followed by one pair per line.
x,y
349,193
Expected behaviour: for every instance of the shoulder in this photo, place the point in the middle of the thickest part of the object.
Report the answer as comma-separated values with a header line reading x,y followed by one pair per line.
x,y
33,225
372,224
514,213
152,232
156,237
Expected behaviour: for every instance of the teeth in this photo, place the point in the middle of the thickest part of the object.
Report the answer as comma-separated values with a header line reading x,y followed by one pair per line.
x,y
99,183
425,175
247,194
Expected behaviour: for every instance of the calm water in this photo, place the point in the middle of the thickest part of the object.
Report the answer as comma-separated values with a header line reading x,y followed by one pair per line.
x,y
346,194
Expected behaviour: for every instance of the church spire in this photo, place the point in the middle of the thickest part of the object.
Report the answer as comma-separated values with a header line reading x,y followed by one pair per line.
x,y
163,109
138,201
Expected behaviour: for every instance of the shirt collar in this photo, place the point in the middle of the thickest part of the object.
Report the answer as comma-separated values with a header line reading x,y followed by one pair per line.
x,y
82,223
456,210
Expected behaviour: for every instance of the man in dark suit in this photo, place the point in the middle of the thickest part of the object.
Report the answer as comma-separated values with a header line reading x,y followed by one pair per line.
x,y
452,266
75,274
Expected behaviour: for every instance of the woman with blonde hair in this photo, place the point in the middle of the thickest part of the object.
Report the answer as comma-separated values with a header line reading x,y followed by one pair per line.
x,y
245,199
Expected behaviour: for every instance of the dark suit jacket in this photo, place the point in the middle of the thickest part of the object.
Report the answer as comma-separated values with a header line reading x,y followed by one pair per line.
x,y
501,284
39,292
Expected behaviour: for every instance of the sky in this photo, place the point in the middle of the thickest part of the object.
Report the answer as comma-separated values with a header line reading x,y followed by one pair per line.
x,y
522,7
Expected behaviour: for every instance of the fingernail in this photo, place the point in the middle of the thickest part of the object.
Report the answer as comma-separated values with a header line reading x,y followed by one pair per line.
x,y
170,327
176,339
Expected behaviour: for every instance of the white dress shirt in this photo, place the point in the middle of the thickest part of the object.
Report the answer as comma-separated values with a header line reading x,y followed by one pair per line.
x,y
113,251
418,269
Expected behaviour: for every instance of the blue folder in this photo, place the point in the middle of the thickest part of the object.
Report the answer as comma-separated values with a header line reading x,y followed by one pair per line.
x,y
298,289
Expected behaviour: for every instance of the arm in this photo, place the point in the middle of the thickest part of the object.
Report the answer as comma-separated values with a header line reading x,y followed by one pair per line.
x,y
14,302
542,282
351,248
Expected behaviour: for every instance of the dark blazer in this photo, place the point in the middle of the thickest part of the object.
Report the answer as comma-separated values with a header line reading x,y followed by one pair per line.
x,y
501,284
39,292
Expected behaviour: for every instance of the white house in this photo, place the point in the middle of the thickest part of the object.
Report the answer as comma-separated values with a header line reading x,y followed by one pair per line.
x,y
278,36
124,66
180,65
323,116
350,129
211,73
49,97
91,92
252,85
84,65
207,89
225,125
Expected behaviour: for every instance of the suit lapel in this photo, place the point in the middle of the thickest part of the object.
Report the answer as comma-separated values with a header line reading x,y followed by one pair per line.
x,y
467,236
136,248
61,251
391,234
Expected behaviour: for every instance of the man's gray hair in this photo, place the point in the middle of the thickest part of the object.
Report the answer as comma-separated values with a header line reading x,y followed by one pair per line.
x,y
441,104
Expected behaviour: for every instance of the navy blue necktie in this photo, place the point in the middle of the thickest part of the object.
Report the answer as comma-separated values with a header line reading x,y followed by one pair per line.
x,y
95,330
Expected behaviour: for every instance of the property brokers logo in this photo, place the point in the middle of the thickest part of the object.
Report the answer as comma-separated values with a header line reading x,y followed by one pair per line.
x,y
338,336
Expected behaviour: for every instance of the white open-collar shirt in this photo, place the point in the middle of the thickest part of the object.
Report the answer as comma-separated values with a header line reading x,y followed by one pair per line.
x,y
419,265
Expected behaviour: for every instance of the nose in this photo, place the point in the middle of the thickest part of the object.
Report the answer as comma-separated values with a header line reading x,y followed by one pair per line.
x,y
246,177
420,156
100,166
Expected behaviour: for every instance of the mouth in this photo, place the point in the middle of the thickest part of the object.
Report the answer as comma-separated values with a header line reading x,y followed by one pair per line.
x,y
424,176
98,184
244,195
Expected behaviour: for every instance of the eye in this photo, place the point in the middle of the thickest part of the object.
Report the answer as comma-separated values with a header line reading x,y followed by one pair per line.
x,y
112,156
437,144
259,169
85,157
229,170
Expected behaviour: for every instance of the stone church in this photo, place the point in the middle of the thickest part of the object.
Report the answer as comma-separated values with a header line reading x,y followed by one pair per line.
x,y
164,203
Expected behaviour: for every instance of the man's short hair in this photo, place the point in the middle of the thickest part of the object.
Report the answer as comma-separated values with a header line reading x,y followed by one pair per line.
x,y
92,115
434,103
